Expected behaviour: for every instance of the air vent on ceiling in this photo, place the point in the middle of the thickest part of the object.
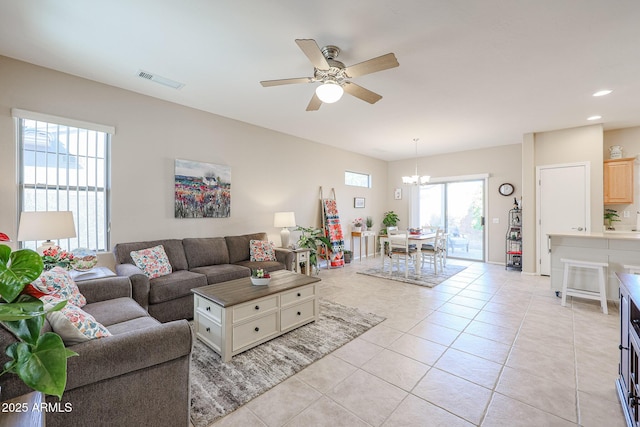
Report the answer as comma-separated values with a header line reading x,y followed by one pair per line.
x,y
159,79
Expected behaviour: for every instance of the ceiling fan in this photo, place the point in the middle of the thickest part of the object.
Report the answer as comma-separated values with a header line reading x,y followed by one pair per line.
x,y
334,76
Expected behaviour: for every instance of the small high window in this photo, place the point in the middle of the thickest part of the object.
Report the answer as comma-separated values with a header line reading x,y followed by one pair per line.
x,y
357,179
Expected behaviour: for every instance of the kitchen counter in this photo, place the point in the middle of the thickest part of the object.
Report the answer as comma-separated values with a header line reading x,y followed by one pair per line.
x,y
622,234
617,248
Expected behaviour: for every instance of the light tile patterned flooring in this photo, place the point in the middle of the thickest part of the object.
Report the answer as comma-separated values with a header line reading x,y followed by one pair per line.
x,y
487,347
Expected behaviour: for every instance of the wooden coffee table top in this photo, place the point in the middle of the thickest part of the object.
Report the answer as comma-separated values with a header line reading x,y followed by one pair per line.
x,y
242,290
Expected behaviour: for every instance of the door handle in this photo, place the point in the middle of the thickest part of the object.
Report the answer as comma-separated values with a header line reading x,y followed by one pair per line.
x,y
577,228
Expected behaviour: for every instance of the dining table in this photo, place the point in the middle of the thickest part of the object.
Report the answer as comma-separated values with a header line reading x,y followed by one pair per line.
x,y
417,239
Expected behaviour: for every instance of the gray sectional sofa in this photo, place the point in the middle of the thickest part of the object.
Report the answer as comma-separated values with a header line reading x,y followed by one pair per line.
x,y
195,262
139,376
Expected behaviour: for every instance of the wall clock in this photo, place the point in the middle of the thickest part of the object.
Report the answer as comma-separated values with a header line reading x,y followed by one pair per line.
x,y
506,189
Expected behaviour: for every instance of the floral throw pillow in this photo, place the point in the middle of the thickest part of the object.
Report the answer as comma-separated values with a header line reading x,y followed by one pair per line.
x,y
57,282
261,250
73,324
152,261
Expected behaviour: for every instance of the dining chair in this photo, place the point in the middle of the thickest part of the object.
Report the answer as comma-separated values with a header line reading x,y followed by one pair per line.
x,y
444,248
433,252
401,250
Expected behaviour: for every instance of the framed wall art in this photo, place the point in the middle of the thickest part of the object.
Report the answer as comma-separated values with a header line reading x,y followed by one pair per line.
x,y
202,190
358,202
397,194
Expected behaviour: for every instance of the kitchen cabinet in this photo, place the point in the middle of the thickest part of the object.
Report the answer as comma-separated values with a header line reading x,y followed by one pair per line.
x,y
618,181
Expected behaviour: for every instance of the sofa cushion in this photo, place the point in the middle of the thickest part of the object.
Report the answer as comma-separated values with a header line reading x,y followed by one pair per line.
x,y
223,272
114,311
58,283
205,251
72,323
239,246
133,325
174,285
261,250
265,265
172,247
152,261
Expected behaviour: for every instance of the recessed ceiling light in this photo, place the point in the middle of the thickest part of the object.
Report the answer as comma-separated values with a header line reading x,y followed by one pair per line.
x,y
602,92
594,118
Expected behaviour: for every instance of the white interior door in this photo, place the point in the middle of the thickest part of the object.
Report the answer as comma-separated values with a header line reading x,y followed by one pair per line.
x,y
563,205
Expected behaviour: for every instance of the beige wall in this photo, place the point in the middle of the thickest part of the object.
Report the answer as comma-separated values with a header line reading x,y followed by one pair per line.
x,y
503,164
270,171
582,144
629,139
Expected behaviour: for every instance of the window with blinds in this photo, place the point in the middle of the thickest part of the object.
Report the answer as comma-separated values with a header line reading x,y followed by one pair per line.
x,y
66,168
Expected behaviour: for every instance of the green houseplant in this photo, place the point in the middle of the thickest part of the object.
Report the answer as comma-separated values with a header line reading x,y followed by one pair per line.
x,y
39,360
390,219
611,215
369,222
311,238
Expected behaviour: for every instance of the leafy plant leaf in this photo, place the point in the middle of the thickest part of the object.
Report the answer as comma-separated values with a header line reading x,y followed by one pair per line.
x,y
16,270
43,366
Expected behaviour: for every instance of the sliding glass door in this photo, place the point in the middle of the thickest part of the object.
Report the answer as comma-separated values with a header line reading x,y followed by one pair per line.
x,y
458,207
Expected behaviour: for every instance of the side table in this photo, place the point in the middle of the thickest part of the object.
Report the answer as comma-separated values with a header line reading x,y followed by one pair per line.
x,y
360,235
302,255
94,273
19,411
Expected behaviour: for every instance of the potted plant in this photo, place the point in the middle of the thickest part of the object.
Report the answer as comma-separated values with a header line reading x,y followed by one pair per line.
x,y
357,224
369,223
611,215
311,238
390,219
347,256
39,360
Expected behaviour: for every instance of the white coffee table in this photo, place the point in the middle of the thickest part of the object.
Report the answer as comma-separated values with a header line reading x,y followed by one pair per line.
x,y
234,316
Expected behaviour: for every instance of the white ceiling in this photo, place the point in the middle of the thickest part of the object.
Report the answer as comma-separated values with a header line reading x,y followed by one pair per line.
x,y
473,73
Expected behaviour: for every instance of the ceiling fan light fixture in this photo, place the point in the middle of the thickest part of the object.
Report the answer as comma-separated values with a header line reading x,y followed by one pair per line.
x,y
329,92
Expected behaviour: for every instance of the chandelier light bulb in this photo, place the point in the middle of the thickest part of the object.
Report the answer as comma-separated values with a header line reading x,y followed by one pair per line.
x,y
416,179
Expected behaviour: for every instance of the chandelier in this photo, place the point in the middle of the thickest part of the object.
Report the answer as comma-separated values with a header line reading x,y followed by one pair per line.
x,y
416,179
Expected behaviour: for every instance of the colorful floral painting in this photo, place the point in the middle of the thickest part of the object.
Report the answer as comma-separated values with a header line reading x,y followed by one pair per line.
x,y
202,190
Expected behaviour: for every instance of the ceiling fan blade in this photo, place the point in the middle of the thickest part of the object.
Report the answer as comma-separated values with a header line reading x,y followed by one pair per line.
x,y
267,83
310,48
315,103
362,93
380,63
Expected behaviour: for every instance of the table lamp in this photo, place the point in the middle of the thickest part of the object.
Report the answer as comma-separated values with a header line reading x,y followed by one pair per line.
x,y
46,226
284,220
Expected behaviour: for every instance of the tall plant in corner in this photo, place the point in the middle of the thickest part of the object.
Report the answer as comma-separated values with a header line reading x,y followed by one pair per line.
x,y
39,360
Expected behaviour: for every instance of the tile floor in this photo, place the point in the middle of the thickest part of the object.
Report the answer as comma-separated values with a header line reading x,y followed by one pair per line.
x,y
487,347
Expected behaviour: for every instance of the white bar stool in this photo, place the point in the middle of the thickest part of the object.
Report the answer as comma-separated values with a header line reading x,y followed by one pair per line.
x,y
600,295
632,269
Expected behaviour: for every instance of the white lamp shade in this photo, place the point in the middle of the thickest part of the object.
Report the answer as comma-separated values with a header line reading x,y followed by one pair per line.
x,y
329,92
46,225
284,219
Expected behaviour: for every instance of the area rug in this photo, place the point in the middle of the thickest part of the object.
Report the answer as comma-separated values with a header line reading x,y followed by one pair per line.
x,y
219,388
427,278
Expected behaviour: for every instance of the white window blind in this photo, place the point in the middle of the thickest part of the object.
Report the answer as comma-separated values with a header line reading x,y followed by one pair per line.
x,y
64,166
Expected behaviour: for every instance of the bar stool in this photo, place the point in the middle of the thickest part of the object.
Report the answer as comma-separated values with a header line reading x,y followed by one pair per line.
x,y
632,269
600,295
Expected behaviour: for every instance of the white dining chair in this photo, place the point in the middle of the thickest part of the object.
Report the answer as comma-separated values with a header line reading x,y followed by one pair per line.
x,y
400,250
436,252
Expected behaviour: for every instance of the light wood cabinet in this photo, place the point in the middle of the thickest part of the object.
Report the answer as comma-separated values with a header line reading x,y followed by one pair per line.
x,y
618,181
